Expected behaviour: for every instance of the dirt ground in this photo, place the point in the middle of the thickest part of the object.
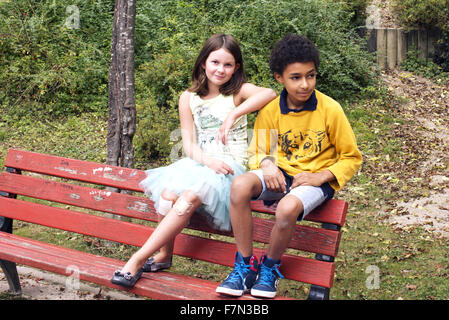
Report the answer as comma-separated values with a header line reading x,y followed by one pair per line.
x,y
426,104
41,285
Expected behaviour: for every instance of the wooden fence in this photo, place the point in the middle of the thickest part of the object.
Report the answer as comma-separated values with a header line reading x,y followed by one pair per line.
x,y
392,45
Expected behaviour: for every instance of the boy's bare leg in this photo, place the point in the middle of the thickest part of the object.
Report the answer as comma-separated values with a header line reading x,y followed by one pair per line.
x,y
243,188
165,232
287,213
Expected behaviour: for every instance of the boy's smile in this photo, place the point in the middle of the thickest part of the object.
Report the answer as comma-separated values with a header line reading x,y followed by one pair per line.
x,y
299,79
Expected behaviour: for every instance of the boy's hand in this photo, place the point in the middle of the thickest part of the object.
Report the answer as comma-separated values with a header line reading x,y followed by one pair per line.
x,y
274,179
312,179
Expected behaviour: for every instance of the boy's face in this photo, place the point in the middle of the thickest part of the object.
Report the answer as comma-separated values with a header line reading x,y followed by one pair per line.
x,y
299,79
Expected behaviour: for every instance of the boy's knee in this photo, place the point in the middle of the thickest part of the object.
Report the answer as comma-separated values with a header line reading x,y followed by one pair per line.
x,y
287,211
242,188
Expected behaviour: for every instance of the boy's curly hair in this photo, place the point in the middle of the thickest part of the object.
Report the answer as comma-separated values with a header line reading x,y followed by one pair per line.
x,y
290,49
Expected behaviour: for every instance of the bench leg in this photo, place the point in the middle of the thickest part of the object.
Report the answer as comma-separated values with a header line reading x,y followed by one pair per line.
x,y
318,293
9,268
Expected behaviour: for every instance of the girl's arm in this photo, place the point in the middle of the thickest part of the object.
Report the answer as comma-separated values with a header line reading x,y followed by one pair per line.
x,y
191,148
249,99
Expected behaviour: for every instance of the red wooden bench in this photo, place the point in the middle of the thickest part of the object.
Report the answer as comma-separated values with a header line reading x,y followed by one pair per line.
x,y
18,188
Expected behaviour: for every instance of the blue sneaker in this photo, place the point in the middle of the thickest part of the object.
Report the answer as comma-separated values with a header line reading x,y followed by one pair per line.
x,y
241,278
267,279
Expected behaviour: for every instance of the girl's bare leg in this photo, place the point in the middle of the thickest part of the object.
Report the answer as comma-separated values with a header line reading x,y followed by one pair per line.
x,y
165,232
166,251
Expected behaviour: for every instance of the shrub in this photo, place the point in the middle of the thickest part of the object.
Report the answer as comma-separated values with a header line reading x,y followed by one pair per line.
x,y
442,51
356,10
50,64
47,68
175,31
422,14
423,67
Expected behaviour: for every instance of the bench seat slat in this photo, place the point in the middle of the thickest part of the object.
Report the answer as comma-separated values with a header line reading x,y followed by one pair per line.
x,y
98,269
219,252
308,239
118,177
80,196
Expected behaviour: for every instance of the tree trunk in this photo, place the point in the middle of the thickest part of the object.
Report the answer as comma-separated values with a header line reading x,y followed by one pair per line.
x,y
122,107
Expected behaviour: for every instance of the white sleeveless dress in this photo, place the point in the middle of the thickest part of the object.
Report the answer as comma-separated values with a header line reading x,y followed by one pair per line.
x,y
187,174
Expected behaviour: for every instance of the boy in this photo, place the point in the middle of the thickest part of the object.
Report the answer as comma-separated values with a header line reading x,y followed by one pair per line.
x,y
315,153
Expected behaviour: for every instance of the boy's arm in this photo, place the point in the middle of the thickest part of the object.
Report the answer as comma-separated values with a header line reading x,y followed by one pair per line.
x,y
262,151
342,137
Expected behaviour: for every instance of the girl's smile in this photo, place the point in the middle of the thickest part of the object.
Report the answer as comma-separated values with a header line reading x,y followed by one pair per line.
x,y
219,67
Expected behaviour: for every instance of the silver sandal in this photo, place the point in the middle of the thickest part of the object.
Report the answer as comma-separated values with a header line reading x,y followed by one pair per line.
x,y
152,266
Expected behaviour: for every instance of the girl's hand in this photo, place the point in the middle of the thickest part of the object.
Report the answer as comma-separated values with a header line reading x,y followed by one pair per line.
x,y
226,127
274,179
220,167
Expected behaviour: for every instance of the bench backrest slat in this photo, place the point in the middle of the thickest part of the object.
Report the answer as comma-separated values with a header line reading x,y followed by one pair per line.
x,y
333,211
112,176
305,238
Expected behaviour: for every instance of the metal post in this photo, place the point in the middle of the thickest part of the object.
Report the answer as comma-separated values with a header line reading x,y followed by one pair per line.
x,y
318,292
10,268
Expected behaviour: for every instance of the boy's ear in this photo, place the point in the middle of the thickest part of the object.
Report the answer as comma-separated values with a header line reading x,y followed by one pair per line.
x,y
279,78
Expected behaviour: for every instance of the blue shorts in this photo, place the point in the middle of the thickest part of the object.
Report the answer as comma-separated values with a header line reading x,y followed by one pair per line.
x,y
310,196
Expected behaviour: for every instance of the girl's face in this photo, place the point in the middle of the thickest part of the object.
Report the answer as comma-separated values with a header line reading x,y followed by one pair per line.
x,y
219,66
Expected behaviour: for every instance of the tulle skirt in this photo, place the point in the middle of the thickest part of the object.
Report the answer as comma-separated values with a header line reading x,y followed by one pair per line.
x,y
187,174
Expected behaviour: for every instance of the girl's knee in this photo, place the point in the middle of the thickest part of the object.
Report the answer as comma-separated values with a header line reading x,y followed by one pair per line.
x,y
168,195
166,201
191,197
187,203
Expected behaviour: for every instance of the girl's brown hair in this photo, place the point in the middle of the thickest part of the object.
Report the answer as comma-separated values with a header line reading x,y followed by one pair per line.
x,y
199,79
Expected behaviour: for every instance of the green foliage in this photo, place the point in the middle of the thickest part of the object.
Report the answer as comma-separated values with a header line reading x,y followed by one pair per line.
x,y
356,9
52,63
442,51
423,67
175,31
422,14
50,68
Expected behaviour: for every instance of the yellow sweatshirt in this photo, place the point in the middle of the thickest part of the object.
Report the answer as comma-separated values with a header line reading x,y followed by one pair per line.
x,y
313,139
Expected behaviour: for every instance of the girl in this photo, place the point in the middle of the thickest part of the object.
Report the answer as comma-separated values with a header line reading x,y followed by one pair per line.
x,y
214,108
